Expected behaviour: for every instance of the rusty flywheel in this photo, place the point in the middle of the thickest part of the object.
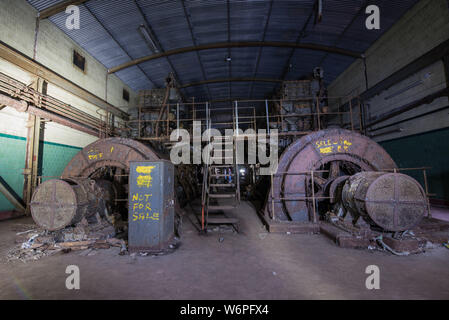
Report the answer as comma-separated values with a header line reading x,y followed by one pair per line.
x,y
111,152
332,153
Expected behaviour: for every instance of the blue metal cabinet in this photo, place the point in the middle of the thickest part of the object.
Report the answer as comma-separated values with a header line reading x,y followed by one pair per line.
x,y
151,206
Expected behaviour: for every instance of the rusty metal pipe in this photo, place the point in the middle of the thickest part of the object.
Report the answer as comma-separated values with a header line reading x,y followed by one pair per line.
x,y
62,120
57,204
392,201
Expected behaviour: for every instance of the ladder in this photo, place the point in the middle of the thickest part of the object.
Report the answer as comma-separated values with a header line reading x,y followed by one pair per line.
x,y
221,185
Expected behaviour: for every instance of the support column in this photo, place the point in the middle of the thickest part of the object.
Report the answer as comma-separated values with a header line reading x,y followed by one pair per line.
x,y
446,69
34,136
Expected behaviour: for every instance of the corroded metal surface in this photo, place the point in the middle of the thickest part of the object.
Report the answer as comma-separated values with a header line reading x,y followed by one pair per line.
x,y
337,151
111,152
335,187
57,204
60,203
392,201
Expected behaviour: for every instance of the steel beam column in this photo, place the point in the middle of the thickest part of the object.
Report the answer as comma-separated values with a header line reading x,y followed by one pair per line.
x,y
34,134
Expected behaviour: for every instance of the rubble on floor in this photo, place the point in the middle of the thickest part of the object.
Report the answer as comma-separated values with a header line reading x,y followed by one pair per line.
x,y
429,234
33,242
223,228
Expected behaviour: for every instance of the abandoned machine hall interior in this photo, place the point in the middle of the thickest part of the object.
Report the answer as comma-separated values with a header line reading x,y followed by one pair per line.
x,y
224,155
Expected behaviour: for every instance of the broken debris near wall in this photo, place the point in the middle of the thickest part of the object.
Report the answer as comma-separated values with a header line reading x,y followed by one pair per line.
x,y
33,242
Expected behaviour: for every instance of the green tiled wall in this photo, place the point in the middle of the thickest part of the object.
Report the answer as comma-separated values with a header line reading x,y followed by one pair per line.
x,y
54,158
430,149
12,162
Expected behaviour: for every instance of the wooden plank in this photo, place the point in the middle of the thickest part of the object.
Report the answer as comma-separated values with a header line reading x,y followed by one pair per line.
x,y
75,244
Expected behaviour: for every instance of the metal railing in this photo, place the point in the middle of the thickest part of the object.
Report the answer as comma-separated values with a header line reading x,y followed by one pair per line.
x,y
244,115
314,198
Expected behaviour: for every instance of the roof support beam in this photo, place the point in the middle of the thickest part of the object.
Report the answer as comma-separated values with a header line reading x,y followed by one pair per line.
x,y
228,18
259,54
242,44
361,10
158,43
199,83
186,14
298,40
116,41
57,8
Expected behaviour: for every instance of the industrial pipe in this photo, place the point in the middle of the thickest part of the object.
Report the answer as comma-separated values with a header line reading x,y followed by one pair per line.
x,y
392,201
57,204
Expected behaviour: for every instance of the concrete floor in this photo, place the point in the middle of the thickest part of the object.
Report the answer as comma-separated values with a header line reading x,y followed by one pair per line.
x,y
250,265
440,213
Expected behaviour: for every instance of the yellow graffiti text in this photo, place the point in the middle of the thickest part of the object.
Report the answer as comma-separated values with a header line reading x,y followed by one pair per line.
x,y
332,146
145,169
142,206
145,216
144,181
141,197
95,156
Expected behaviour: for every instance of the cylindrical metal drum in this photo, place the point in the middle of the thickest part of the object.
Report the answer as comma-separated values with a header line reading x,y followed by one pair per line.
x,y
57,204
392,201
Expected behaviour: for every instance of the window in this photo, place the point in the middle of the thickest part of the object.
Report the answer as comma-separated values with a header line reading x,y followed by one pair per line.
x,y
79,61
125,95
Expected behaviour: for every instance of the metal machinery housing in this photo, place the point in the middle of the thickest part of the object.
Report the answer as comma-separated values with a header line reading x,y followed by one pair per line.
x,y
315,175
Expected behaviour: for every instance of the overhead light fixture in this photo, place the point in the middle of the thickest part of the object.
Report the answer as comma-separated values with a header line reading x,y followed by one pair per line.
x,y
318,11
228,59
149,39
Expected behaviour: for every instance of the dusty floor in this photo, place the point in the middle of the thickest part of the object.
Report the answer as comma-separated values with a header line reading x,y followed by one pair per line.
x,y
250,265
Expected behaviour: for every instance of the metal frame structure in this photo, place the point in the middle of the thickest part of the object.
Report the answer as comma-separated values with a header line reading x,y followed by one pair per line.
x,y
239,44
35,68
253,118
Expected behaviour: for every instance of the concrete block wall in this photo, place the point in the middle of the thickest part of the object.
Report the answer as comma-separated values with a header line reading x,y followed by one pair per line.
x,y
422,140
17,25
423,83
422,28
54,50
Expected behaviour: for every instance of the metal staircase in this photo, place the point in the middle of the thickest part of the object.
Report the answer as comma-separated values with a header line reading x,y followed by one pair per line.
x,y
221,185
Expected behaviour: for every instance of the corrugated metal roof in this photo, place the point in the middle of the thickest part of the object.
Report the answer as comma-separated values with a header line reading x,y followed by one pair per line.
x,y
41,5
109,32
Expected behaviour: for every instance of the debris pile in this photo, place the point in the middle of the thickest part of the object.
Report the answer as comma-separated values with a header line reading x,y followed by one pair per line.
x,y
429,234
33,242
